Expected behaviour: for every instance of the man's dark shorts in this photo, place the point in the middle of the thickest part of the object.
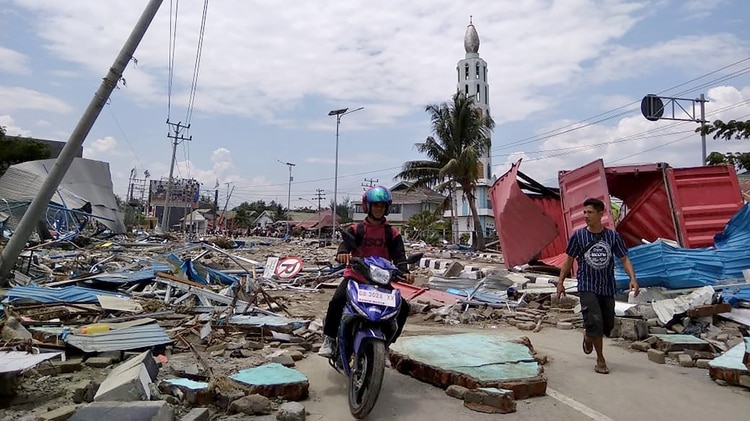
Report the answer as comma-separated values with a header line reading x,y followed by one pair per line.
x,y
598,313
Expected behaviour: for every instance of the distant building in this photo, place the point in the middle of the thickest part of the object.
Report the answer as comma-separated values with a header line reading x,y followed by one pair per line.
x,y
55,147
406,203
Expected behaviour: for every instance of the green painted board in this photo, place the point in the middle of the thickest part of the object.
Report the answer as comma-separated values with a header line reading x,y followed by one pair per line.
x,y
731,359
485,357
268,375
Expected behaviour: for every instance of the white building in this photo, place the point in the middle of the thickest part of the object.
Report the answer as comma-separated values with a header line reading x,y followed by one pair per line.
x,y
472,80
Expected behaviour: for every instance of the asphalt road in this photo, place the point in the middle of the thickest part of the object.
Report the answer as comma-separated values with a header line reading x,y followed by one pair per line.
x,y
635,389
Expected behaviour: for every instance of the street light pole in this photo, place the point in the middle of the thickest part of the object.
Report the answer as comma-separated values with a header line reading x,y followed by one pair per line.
x,y
338,113
289,195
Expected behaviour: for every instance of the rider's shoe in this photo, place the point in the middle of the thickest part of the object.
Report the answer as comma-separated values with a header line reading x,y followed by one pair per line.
x,y
326,350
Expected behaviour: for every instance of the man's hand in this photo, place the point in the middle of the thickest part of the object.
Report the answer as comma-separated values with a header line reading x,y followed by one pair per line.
x,y
634,286
343,258
560,290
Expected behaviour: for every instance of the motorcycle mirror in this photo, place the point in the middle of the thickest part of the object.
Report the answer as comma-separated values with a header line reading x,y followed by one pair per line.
x,y
348,238
414,258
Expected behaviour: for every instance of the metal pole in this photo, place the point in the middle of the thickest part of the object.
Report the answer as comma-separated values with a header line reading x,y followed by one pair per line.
x,y
39,204
335,180
703,128
165,215
289,200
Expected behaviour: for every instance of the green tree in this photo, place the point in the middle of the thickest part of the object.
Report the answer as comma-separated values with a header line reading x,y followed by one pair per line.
x,y
731,130
461,136
342,209
427,226
14,150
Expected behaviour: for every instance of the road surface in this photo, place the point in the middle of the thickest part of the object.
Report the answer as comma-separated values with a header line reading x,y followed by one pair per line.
x,y
635,389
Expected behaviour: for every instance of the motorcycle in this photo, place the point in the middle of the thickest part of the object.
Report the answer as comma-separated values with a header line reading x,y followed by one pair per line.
x,y
367,328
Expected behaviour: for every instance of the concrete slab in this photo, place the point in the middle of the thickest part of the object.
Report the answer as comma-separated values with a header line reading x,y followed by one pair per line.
x,y
274,380
128,385
746,358
472,360
196,393
125,411
729,366
672,343
144,358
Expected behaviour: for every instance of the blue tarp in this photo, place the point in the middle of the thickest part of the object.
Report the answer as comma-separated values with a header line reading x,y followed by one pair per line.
x,y
199,273
735,295
69,294
659,264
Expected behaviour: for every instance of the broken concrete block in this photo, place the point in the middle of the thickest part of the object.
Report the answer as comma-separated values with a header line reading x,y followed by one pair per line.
x,y
195,393
125,411
13,330
633,329
274,380
657,330
60,414
490,400
729,367
456,391
224,399
296,355
723,337
685,360
657,356
702,363
291,411
565,325
124,386
641,346
251,405
60,367
284,359
454,270
84,391
196,414
744,381
99,362
144,358
526,325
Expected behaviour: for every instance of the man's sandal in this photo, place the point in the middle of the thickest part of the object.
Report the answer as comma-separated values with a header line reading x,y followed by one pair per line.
x,y
587,348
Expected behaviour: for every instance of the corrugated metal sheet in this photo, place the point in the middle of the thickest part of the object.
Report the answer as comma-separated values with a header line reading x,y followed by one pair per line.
x,y
659,264
552,207
523,228
124,339
588,181
649,217
69,294
14,361
704,198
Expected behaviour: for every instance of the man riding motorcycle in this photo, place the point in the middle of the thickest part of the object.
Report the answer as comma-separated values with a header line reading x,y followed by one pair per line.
x,y
375,237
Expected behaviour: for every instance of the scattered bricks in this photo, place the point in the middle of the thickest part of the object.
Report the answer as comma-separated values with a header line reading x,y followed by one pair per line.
x,y
60,367
709,310
144,358
641,346
744,381
125,411
454,270
526,326
678,328
686,360
674,354
84,391
565,325
731,343
251,405
196,414
296,355
651,340
291,411
652,322
254,345
284,359
99,362
657,330
456,391
224,399
657,356
633,329
195,393
490,400
59,414
702,363
723,337
128,385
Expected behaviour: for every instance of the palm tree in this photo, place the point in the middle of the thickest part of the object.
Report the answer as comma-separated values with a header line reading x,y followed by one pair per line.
x,y
461,137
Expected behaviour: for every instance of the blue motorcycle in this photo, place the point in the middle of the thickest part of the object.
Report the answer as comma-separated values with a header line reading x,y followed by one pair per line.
x,y
367,329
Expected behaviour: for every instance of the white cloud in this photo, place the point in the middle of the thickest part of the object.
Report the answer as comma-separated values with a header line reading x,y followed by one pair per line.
x,y
14,98
11,129
12,61
102,149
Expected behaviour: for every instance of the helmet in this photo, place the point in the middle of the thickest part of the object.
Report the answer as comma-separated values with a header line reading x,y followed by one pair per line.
x,y
376,194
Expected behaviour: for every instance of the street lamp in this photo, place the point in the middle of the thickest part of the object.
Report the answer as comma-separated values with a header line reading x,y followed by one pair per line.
x,y
289,194
338,113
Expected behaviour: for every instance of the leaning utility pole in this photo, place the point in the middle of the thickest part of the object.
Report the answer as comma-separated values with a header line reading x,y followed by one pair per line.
x,y
177,138
52,181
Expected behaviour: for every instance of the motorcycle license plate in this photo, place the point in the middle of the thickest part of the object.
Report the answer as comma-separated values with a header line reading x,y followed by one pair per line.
x,y
371,296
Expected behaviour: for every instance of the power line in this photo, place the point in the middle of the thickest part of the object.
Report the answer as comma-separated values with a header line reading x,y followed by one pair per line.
x,y
197,65
172,48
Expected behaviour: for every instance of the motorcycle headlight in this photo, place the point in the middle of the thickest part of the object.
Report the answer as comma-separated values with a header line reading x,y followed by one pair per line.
x,y
379,276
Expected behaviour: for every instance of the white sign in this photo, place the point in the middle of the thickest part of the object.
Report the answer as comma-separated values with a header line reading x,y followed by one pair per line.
x,y
289,267
371,296
270,268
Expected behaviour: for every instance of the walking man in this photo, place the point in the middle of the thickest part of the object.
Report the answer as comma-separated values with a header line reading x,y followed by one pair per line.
x,y
595,247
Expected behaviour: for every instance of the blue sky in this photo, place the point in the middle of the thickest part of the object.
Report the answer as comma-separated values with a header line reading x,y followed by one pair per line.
x,y
271,71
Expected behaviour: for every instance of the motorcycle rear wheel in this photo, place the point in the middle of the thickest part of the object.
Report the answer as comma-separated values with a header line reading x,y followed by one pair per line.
x,y
366,378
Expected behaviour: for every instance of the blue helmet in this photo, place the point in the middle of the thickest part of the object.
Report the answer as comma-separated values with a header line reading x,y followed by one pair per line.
x,y
376,194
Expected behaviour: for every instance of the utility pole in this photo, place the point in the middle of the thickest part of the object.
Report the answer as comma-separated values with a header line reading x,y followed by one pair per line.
x,y
177,138
288,196
370,182
216,204
319,195
13,249
654,107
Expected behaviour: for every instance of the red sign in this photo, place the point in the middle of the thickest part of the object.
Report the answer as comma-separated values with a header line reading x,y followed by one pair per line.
x,y
289,267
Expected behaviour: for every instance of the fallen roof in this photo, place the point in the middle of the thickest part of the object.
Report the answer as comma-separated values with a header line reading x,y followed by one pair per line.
x,y
135,337
14,361
69,294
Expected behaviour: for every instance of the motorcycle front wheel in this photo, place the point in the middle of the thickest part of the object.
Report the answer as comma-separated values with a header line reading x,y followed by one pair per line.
x,y
366,378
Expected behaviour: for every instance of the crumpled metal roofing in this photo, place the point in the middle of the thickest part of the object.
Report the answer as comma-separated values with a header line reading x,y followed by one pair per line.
x,y
135,337
660,264
69,294
86,181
